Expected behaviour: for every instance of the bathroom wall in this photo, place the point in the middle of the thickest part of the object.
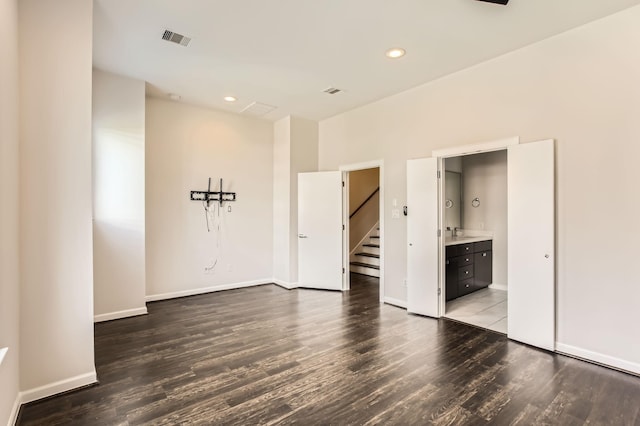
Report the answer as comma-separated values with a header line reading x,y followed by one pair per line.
x,y
485,177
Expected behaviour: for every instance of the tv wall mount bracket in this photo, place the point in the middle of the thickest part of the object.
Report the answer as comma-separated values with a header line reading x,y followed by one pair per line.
x,y
208,196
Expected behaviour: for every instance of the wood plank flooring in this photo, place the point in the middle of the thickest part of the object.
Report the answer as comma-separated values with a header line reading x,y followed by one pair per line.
x,y
265,355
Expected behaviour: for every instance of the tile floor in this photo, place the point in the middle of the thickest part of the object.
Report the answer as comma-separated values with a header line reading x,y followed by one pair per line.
x,y
486,308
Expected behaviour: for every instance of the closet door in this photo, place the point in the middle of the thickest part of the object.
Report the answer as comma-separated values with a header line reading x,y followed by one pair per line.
x,y
422,237
531,251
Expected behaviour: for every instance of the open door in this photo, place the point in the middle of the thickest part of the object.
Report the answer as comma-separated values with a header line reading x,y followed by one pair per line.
x,y
320,230
531,240
422,237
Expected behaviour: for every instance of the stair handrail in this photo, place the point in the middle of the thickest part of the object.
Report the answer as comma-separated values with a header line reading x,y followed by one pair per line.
x,y
364,202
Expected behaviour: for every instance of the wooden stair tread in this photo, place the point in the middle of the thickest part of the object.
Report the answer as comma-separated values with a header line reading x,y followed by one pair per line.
x,y
371,245
377,256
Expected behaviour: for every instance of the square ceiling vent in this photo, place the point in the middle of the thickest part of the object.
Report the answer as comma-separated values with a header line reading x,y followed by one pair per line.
x,y
258,109
176,38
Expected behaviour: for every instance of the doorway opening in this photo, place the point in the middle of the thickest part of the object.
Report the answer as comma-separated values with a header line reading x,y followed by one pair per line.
x,y
475,238
362,219
530,231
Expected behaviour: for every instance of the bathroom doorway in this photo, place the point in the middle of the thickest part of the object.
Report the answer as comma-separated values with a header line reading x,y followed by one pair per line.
x,y
530,234
475,223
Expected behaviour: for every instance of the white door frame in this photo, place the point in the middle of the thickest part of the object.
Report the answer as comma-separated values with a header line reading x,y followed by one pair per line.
x,y
458,151
345,169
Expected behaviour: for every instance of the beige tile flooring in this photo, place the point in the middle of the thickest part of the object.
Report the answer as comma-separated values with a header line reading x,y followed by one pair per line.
x,y
486,308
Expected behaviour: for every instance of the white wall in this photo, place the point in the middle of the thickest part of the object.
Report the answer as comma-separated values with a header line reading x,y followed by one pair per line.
x,y
362,183
185,145
485,176
56,310
295,151
9,276
118,196
581,88
282,202
304,158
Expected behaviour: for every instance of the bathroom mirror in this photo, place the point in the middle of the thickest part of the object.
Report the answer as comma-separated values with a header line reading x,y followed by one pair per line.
x,y
452,199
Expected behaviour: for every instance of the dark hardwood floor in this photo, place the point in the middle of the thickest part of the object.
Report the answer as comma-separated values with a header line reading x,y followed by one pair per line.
x,y
265,355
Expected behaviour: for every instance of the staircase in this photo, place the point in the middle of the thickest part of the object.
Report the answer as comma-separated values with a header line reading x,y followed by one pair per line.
x,y
365,259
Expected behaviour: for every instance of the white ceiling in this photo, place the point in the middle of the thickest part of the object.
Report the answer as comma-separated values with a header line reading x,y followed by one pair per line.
x,y
286,52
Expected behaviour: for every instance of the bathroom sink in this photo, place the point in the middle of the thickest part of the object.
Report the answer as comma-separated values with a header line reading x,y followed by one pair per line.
x,y
462,239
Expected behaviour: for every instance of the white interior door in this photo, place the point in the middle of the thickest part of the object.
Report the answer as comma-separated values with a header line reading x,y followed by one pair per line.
x,y
422,237
320,230
531,241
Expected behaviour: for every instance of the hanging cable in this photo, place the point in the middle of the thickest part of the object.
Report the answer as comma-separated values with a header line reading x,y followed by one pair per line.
x,y
216,226
205,204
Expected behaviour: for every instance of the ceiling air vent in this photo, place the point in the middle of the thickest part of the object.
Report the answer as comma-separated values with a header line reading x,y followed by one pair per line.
x,y
332,90
258,109
504,2
175,38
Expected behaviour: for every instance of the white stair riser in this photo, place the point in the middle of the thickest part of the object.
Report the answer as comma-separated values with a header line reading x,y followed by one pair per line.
x,y
364,259
366,271
372,250
368,260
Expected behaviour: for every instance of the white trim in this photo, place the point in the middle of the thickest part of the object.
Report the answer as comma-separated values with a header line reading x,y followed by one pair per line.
x,y
457,151
120,314
345,249
495,145
3,352
346,232
395,302
58,387
195,291
598,358
502,287
13,417
361,166
442,247
284,284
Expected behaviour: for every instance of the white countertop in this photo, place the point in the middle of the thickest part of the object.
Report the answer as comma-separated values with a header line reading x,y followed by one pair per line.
x,y
452,241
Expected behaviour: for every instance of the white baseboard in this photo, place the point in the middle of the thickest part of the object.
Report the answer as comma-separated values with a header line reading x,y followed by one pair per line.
x,y
184,293
120,314
499,287
395,302
284,284
58,387
606,360
13,417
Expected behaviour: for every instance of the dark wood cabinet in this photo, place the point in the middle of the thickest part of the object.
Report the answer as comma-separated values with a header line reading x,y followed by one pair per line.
x,y
451,279
469,267
483,265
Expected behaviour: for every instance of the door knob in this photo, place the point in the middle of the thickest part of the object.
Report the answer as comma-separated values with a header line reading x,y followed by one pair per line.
x,y
546,256
302,236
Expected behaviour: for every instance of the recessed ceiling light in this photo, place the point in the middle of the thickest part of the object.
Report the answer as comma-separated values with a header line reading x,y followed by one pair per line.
x,y
396,52
174,97
230,98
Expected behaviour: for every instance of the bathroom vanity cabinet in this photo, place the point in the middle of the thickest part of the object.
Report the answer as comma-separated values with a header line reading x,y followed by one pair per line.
x,y
468,267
